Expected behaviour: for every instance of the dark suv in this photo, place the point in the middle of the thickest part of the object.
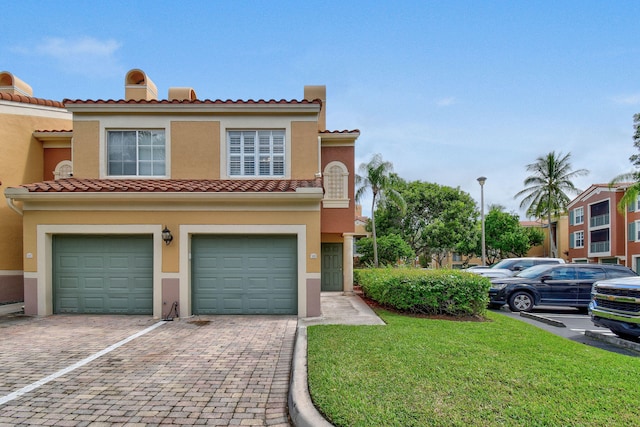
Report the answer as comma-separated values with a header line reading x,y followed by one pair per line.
x,y
560,284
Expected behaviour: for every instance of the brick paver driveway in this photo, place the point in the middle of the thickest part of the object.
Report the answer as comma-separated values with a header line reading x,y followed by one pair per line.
x,y
132,370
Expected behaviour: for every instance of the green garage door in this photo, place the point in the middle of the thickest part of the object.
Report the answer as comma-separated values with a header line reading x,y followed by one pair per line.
x,y
103,274
244,274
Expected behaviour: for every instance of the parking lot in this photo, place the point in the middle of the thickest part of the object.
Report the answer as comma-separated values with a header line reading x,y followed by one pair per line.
x,y
133,370
575,325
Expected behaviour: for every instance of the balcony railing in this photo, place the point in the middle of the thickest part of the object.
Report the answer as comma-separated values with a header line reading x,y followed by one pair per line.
x,y
600,220
597,247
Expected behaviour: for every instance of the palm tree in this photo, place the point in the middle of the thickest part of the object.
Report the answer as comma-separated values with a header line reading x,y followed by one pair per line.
x,y
633,191
546,189
376,176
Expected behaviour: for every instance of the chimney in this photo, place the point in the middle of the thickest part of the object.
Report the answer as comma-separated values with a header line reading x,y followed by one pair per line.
x,y
182,94
137,86
13,85
318,92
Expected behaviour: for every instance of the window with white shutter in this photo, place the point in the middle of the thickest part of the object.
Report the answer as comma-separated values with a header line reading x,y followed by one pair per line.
x,y
256,153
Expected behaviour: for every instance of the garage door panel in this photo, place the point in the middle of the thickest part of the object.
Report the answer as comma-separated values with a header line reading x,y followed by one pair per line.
x,y
232,263
260,263
258,284
103,274
248,270
92,284
69,261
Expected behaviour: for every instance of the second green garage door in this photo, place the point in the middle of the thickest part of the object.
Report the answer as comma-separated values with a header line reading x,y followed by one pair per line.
x,y
103,274
244,274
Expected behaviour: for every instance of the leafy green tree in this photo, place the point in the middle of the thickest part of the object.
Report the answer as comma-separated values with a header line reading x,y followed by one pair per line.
x,y
437,220
391,250
631,195
376,176
545,192
505,237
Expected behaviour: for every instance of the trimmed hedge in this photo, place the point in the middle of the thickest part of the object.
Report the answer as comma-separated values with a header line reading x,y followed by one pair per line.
x,y
443,291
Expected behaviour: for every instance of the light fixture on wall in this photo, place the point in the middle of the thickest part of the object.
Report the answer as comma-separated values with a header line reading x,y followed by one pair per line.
x,y
166,235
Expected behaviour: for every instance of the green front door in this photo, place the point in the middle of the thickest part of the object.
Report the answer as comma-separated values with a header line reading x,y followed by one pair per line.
x,y
331,267
244,274
103,274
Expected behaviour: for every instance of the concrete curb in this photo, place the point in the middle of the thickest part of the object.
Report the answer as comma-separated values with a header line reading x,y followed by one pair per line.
x,y
617,341
301,409
543,319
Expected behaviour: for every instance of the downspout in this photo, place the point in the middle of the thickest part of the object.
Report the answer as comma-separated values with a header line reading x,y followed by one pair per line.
x,y
319,173
13,207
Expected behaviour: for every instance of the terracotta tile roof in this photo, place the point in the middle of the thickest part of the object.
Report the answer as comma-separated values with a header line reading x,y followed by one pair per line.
x,y
53,130
30,100
340,131
195,101
171,185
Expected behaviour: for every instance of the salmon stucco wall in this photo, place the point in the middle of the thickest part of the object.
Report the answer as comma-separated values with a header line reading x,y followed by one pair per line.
x,y
21,162
86,149
53,156
188,138
340,220
304,146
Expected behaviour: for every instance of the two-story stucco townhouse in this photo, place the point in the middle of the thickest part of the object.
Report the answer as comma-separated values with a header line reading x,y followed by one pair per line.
x,y
600,232
27,155
207,206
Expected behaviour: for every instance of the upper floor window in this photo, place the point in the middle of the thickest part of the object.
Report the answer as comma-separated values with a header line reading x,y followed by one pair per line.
x,y
578,216
578,239
256,153
336,185
136,152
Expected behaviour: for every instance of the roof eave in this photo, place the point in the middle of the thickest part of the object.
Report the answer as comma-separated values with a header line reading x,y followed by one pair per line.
x,y
222,108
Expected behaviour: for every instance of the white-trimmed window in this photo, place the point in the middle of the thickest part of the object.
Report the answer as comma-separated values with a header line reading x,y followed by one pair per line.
x,y
256,153
136,152
336,185
578,239
578,216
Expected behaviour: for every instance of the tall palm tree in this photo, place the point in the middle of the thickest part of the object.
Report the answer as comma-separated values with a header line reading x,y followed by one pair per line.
x,y
376,176
633,191
546,189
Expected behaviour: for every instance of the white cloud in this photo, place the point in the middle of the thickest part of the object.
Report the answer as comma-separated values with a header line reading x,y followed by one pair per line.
x,y
630,99
446,102
84,55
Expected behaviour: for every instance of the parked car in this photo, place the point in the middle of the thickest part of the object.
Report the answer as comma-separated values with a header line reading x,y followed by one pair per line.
x,y
559,284
511,266
615,304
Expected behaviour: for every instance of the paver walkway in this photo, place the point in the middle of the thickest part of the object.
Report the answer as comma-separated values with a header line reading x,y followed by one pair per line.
x,y
217,370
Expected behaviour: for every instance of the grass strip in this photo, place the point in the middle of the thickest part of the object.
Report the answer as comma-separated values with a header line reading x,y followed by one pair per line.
x,y
424,372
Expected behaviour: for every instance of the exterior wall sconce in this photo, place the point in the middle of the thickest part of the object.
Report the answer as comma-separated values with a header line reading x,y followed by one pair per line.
x,y
166,236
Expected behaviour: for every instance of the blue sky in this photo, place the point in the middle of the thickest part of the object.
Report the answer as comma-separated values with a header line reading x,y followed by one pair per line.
x,y
447,91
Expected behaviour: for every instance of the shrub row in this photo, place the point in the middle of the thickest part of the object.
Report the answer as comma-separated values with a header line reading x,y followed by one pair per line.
x,y
442,291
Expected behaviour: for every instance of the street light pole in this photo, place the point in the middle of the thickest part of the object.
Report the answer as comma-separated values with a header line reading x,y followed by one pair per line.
x,y
482,180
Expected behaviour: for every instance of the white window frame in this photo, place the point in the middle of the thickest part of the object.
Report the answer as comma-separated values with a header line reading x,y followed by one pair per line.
x,y
253,157
138,149
576,216
576,239
336,180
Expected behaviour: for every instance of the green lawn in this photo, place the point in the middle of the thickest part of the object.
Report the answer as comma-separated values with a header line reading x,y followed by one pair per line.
x,y
422,372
